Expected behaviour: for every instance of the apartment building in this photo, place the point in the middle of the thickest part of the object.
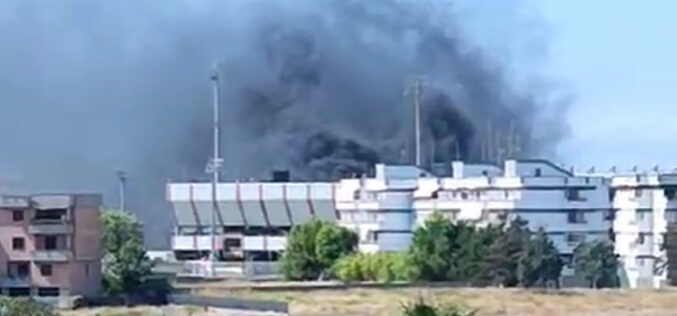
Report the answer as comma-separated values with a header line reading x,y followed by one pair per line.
x,y
644,205
50,245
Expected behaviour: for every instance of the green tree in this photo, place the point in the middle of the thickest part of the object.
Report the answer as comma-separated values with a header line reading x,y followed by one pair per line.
x,y
125,264
597,263
539,262
504,252
24,306
312,248
670,247
432,249
333,242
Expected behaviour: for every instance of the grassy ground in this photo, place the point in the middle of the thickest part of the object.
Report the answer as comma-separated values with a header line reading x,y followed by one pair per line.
x,y
488,302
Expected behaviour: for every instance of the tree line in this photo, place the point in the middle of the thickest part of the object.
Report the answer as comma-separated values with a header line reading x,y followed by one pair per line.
x,y
507,254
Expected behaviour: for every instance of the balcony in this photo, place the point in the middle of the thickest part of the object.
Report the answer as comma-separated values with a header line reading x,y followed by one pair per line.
x,y
56,255
50,227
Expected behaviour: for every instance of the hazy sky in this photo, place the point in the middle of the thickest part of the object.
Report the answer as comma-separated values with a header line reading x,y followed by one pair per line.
x,y
619,57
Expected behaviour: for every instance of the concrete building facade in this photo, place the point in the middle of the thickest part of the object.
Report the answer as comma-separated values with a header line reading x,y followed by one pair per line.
x,y
50,245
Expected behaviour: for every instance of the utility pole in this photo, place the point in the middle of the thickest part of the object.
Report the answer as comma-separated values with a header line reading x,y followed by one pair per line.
x,y
122,183
214,164
416,88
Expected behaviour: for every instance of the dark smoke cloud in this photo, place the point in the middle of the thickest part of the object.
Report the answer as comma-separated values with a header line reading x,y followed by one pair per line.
x,y
314,86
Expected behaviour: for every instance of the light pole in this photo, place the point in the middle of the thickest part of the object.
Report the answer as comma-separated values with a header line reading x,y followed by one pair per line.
x,y
122,180
214,164
416,88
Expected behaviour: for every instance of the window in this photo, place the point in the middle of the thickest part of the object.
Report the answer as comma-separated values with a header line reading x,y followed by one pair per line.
x,y
17,216
538,172
464,195
609,215
640,239
356,195
371,237
573,195
575,238
46,269
22,269
87,269
48,291
638,193
51,214
19,291
50,242
670,194
435,194
18,243
576,217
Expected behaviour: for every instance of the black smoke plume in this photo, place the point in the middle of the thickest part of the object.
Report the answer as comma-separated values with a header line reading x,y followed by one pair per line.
x,y
314,86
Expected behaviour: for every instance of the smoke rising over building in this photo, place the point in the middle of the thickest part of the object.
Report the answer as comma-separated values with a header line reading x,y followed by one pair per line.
x,y
316,87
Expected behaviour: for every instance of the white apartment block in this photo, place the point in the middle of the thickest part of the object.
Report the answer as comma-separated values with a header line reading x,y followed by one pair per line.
x,y
630,210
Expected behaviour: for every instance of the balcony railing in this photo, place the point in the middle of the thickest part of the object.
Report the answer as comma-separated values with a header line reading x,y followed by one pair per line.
x,y
56,255
50,227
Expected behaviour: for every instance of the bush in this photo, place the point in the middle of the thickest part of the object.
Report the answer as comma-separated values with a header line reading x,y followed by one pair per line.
x,y
313,248
421,308
381,267
24,307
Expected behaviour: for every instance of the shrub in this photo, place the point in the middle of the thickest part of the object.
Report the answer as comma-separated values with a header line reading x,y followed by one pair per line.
x,y
421,308
24,306
381,267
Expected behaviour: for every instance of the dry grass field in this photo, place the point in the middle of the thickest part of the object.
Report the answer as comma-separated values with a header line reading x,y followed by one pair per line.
x,y
488,302
158,311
